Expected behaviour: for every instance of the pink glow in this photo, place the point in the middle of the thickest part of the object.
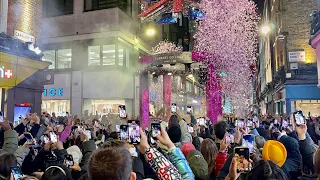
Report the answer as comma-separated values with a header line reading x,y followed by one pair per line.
x,y
167,82
144,108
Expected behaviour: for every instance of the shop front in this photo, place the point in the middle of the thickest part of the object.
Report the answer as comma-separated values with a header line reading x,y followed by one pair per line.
x,y
56,97
303,97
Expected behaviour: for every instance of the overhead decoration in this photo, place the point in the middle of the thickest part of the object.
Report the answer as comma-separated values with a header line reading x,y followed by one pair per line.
x,y
157,9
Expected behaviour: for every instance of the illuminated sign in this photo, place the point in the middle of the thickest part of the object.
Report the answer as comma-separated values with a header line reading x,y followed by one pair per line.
x,y
53,92
5,73
24,36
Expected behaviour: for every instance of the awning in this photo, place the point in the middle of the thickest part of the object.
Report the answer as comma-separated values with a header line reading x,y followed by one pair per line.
x,y
15,69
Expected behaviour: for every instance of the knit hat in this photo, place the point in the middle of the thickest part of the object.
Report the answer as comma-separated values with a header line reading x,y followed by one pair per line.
x,y
274,151
76,153
186,148
198,164
174,133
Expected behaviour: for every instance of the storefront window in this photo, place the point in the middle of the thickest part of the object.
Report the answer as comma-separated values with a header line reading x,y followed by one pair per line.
x,y
50,56
59,107
94,55
102,107
64,58
306,106
121,56
109,54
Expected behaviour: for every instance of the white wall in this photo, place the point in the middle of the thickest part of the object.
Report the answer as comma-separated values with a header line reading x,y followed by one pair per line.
x,y
60,81
108,85
76,99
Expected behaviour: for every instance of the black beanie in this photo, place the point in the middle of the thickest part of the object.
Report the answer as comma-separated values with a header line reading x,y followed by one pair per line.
x,y
174,133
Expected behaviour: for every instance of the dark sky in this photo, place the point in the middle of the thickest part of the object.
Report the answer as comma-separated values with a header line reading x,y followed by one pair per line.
x,y
260,5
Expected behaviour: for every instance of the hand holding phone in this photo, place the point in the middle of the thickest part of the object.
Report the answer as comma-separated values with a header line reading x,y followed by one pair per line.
x,y
124,132
248,141
53,137
189,110
69,160
16,172
242,155
298,118
173,107
122,111
134,132
155,129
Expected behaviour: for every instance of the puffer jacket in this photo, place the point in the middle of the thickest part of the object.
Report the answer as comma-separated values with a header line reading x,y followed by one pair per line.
x,y
180,162
220,160
161,166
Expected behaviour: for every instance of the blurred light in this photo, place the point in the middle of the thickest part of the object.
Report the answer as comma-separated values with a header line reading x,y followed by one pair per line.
x,y
190,75
154,73
37,50
169,73
151,32
265,29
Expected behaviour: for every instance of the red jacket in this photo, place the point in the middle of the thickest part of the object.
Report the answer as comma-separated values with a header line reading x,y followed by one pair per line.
x,y
219,162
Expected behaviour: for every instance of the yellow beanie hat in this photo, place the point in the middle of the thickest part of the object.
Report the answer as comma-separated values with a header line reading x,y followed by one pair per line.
x,y
274,151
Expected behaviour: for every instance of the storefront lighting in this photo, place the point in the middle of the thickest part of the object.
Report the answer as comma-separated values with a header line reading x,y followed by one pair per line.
x,y
265,29
151,32
153,73
169,73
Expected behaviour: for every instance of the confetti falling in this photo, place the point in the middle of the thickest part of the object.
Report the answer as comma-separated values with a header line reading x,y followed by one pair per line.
x,y
229,33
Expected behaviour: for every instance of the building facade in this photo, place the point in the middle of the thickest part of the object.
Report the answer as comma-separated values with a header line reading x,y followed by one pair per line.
x,y
287,59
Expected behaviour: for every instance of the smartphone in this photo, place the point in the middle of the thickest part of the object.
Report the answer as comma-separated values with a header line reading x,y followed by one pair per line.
x,y
28,137
242,155
173,107
190,128
1,117
122,111
46,138
53,137
134,132
240,123
124,132
229,138
117,128
189,109
285,124
88,133
249,123
16,172
298,118
255,119
155,129
202,121
248,141
47,119
67,114
68,160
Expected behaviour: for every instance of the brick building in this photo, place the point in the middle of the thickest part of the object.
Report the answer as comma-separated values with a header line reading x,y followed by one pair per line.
x,y
287,60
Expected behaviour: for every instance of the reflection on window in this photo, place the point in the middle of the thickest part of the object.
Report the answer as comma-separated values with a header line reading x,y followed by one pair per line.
x,y
127,58
94,55
53,8
121,56
109,54
64,58
50,56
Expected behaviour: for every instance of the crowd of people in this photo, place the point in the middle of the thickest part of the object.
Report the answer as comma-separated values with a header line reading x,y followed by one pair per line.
x,y
253,148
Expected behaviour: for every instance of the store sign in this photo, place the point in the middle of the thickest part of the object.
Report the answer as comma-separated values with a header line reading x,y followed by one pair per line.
x,y
24,36
297,56
53,92
172,58
5,73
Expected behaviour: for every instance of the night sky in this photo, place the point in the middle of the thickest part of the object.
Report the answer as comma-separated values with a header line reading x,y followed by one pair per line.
x,y
260,5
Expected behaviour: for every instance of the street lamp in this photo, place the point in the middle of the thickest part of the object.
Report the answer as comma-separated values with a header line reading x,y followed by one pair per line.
x,y
151,32
265,29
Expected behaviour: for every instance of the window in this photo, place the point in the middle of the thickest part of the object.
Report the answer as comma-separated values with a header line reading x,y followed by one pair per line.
x,y
121,56
50,56
94,55
64,58
52,8
92,5
127,59
109,54
59,59
189,86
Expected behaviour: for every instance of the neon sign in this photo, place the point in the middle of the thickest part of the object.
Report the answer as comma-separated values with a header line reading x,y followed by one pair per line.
x,y
53,92
5,73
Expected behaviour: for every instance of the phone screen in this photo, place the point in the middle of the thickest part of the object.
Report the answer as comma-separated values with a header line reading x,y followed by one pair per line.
x,y
46,138
242,156
134,132
248,141
239,123
123,132
249,123
88,134
1,117
190,128
155,129
53,137
284,124
298,117
202,122
117,128
17,173
122,111
29,137
189,109
173,107
67,114
69,160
